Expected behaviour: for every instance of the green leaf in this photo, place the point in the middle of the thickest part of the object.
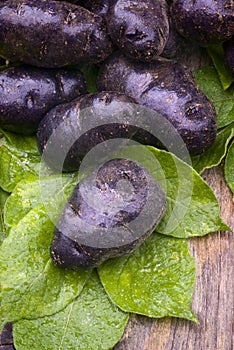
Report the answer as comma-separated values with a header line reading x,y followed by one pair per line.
x,y
24,143
90,322
90,73
208,80
52,191
31,286
229,167
191,208
216,52
19,159
214,155
157,280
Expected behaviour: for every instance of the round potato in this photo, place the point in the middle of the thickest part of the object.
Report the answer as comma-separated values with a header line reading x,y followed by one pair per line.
x,y
109,214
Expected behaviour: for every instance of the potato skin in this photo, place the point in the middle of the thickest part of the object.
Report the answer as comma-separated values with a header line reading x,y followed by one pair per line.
x,y
168,88
27,94
87,233
139,28
114,116
204,21
6,338
72,1
51,34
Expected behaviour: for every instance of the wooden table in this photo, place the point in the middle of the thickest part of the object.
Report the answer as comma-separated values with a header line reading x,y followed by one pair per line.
x,y
213,300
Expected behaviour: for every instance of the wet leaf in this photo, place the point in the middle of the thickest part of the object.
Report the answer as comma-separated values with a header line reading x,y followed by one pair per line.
x,y
208,80
214,155
157,280
90,322
52,191
216,53
19,159
31,286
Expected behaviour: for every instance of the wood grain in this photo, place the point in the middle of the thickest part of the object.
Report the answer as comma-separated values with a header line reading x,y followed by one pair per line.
x,y
213,300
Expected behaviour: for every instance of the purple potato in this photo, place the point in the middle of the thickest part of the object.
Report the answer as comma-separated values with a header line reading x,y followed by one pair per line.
x,y
101,221
27,94
168,88
69,131
204,21
51,34
139,28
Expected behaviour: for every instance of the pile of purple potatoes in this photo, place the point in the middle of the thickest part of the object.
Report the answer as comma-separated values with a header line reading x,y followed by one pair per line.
x,y
135,46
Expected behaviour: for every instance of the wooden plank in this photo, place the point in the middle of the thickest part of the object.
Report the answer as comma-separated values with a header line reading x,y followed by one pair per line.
x,y
213,300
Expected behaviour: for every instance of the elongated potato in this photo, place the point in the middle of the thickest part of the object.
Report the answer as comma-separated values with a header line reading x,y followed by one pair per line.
x,y
51,34
27,94
69,131
168,88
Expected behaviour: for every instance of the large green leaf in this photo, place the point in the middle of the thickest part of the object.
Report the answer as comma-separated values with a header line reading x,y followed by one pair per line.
x,y
31,286
192,208
208,80
19,159
157,280
91,322
229,167
214,155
